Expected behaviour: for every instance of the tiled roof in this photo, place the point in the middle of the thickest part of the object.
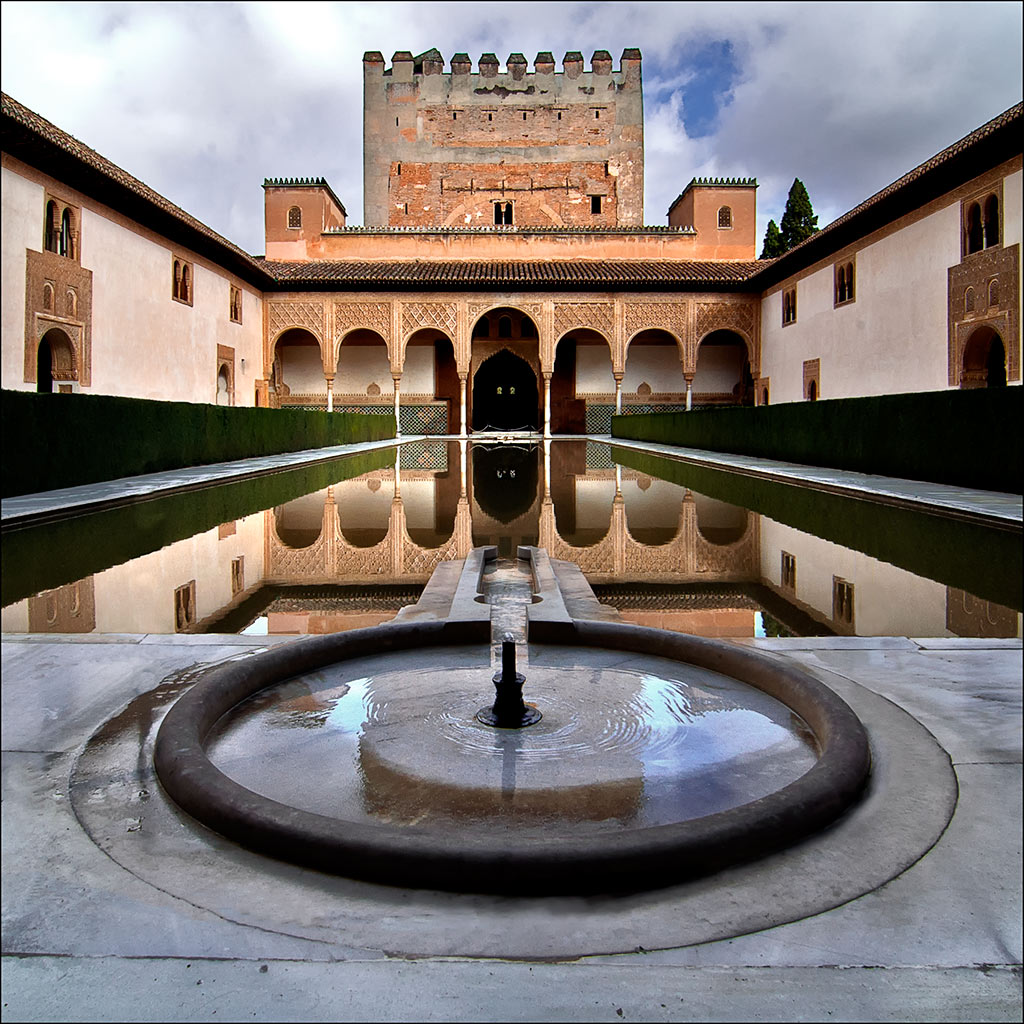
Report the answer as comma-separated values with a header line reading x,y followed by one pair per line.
x,y
82,154
533,273
901,193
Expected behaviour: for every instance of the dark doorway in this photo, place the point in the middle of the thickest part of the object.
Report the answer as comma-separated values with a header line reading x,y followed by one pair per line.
x,y
505,480
505,394
44,368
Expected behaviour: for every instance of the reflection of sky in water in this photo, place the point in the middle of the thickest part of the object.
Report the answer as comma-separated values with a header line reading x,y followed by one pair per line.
x,y
349,715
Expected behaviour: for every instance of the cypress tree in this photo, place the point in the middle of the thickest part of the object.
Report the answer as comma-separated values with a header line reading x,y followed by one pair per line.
x,y
799,220
773,244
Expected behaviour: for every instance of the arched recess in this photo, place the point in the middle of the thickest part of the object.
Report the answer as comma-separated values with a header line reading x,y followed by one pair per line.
x,y
223,384
55,361
582,375
583,506
653,509
431,500
505,370
718,522
297,370
299,522
429,374
363,374
984,362
364,509
723,374
653,370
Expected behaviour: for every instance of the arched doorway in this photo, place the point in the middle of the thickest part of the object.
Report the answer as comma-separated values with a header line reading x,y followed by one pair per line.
x,y
984,364
55,361
505,394
297,375
582,373
723,371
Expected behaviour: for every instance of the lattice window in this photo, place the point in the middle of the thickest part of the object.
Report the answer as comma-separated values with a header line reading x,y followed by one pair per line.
x,y
237,575
842,601
725,217
295,217
185,607
789,307
788,570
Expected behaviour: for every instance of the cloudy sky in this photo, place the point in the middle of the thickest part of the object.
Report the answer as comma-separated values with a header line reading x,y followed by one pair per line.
x,y
202,101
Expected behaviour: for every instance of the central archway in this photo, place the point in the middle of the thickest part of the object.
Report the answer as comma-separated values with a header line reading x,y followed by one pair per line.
x,y
505,395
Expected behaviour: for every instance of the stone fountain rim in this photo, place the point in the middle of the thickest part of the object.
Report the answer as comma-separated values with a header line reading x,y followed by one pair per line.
x,y
633,859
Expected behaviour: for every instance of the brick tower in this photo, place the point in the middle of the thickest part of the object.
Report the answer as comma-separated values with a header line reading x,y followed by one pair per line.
x,y
488,148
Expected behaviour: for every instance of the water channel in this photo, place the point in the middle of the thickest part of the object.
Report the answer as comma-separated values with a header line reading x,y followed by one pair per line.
x,y
346,544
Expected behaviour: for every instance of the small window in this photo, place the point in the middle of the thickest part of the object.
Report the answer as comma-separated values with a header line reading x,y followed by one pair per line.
x,y
50,227
559,115
974,228
66,242
185,607
237,575
502,213
788,571
455,115
597,115
969,300
595,204
991,221
181,281
524,115
71,303
725,217
396,122
789,307
842,601
490,117
993,292
235,304
844,283
295,217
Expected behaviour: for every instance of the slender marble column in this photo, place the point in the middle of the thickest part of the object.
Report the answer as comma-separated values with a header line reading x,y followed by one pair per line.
x,y
330,394
547,404
618,395
462,405
398,422
689,393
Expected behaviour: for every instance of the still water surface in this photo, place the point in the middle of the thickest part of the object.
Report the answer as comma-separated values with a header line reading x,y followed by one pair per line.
x,y
347,544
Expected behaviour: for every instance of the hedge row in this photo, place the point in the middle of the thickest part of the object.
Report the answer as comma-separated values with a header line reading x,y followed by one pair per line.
x,y
55,440
969,438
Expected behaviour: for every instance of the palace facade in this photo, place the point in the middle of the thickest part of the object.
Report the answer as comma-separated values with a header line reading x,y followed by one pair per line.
x,y
503,277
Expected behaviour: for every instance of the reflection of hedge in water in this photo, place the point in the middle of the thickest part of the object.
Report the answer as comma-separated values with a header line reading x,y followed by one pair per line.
x,y
969,438
981,560
65,440
39,558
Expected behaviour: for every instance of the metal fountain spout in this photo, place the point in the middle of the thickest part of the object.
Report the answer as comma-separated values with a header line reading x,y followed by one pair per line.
x,y
509,711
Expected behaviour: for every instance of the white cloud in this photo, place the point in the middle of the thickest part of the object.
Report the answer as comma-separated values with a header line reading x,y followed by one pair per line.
x,y
202,101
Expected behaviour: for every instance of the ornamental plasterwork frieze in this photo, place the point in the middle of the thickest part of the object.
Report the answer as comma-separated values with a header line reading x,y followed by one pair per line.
x,y
667,316
977,271
373,316
282,316
596,316
741,317
443,316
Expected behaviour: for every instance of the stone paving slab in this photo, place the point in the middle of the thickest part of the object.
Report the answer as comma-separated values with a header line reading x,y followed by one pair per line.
x,y
992,508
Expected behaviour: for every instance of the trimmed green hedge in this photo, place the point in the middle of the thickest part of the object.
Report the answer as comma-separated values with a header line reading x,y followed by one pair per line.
x,y
62,440
969,438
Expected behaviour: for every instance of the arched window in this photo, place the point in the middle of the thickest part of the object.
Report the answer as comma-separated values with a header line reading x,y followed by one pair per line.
x,y
789,306
295,217
508,213
176,282
50,227
71,302
991,221
725,217
186,284
969,300
66,245
47,295
993,292
974,229
764,396
505,327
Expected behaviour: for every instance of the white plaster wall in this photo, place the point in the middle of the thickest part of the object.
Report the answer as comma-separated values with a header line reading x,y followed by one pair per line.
x,y
891,339
138,597
659,507
305,513
887,601
14,618
418,370
594,503
303,369
22,228
719,368
359,508
658,365
359,366
418,502
594,370
146,345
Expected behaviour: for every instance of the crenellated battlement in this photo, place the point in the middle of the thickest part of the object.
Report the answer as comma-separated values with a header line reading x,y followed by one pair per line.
x,y
406,67
502,145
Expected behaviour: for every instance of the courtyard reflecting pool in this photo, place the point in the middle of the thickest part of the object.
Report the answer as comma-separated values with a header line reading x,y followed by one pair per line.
x,y
347,544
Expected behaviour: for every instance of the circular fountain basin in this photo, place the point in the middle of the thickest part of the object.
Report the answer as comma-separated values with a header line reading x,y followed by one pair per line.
x,y
675,758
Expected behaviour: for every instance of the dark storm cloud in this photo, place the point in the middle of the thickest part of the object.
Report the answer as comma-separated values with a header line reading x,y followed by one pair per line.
x,y
204,101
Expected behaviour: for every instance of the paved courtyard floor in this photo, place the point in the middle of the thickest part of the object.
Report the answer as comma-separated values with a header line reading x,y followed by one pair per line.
x,y
116,907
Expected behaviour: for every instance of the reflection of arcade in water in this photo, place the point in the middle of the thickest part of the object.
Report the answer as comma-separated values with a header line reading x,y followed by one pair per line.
x,y
440,500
